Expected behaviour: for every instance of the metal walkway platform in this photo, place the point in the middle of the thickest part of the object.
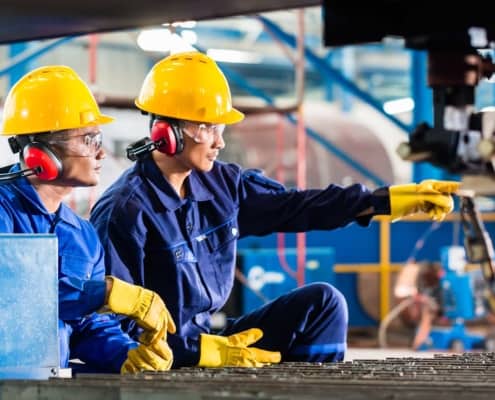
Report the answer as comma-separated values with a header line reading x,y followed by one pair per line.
x,y
467,376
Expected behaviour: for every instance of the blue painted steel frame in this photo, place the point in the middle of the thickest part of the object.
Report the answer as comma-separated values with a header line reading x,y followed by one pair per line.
x,y
423,112
233,76
326,70
17,68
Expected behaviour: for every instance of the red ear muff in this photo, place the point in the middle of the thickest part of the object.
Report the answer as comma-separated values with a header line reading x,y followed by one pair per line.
x,y
38,156
168,136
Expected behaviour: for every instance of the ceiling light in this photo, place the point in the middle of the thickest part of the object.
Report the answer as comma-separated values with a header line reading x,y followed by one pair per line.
x,y
398,106
235,56
162,40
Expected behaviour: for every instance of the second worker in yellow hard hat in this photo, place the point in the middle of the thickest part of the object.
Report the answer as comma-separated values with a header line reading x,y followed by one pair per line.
x,y
172,221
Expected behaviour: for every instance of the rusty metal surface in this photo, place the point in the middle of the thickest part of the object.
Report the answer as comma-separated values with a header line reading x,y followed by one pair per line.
x,y
467,376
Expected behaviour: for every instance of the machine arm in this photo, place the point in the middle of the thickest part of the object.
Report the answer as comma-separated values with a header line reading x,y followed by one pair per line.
x,y
478,245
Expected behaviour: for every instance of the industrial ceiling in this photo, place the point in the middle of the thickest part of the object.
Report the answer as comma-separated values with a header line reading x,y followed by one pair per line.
x,y
23,20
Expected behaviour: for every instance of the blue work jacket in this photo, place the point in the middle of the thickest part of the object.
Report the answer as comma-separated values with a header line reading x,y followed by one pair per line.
x,y
96,339
185,249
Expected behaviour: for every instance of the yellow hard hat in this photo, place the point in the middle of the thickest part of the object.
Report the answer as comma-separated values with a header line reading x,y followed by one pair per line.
x,y
188,86
50,98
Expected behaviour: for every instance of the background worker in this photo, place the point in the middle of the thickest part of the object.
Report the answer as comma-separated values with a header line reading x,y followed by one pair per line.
x,y
53,121
172,221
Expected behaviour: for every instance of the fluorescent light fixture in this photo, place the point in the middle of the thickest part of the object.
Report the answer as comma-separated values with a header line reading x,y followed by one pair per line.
x,y
488,109
235,56
181,24
398,106
162,40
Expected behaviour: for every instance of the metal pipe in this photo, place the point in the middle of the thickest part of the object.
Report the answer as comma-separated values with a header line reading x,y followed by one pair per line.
x,y
93,60
280,176
301,141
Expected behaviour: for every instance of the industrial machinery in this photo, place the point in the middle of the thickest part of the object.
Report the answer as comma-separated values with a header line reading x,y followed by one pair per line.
x,y
29,345
461,139
439,301
459,298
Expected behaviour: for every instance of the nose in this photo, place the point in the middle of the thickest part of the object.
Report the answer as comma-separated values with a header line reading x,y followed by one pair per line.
x,y
101,153
219,143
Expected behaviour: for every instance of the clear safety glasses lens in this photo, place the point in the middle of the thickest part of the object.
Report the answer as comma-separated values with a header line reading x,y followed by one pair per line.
x,y
202,132
87,144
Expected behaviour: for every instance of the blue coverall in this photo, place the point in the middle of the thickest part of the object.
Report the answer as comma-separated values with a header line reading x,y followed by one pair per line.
x,y
185,250
96,339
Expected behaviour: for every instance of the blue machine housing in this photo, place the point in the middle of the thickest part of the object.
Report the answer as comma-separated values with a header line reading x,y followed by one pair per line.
x,y
462,300
265,275
350,245
29,347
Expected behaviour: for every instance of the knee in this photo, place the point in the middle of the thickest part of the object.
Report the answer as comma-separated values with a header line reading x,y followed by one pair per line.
x,y
328,297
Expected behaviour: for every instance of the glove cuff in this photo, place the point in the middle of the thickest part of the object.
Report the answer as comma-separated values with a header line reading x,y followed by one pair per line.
x,y
122,297
210,348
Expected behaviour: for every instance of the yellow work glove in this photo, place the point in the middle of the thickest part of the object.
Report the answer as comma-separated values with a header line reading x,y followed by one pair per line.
x,y
233,351
430,196
154,357
142,305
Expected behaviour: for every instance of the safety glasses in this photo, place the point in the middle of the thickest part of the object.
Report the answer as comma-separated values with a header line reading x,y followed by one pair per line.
x,y
84,145
202,132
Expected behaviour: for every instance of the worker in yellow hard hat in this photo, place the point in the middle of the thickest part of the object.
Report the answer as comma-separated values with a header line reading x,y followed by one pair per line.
x,y
172,221
53,122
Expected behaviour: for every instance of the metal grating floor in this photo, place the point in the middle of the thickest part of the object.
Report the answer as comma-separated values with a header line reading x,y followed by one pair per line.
x,y
465,376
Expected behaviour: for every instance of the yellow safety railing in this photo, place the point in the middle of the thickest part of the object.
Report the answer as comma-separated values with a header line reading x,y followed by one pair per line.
x,y
384,267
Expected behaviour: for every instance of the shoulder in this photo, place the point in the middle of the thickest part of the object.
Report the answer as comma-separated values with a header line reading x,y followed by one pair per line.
x,y
258,178
124,193
228,170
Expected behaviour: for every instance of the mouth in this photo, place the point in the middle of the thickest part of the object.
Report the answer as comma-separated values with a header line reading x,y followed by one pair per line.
x,y
212,157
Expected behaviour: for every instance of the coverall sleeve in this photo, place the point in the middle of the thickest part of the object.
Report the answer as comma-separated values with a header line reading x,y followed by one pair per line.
x,y
6,224
77,296
266,206
97,339
80,296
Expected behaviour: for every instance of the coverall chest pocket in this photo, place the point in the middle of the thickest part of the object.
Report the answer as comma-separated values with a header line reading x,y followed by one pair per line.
x,y
181,278
221,243
218,239
77,267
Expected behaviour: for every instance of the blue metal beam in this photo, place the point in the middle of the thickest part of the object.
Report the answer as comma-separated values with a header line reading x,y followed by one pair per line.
x,y
332,73
31,54
423,112
327,144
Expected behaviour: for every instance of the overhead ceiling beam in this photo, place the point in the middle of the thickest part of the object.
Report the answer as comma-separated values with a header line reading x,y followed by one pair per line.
x,y
23,20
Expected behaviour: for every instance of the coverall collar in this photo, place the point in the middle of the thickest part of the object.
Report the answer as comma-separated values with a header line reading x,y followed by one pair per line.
x,y
195,188
27,191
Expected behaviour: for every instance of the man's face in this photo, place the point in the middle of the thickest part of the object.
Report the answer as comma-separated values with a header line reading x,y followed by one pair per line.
x,y
81,152
202,144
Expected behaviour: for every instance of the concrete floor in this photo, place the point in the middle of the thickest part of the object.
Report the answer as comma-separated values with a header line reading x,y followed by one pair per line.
x,y
380,354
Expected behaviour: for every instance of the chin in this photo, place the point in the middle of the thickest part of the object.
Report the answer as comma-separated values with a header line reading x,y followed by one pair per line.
x,y
88,182
207,168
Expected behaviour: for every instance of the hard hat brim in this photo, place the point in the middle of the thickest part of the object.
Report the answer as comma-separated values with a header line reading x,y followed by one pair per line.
x,y
104,119
232,117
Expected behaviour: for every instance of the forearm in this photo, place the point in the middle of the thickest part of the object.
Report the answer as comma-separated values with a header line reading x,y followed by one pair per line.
x,y
100,342
78,298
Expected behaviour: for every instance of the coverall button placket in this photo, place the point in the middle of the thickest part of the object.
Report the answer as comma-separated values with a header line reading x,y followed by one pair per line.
x,y
189,227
